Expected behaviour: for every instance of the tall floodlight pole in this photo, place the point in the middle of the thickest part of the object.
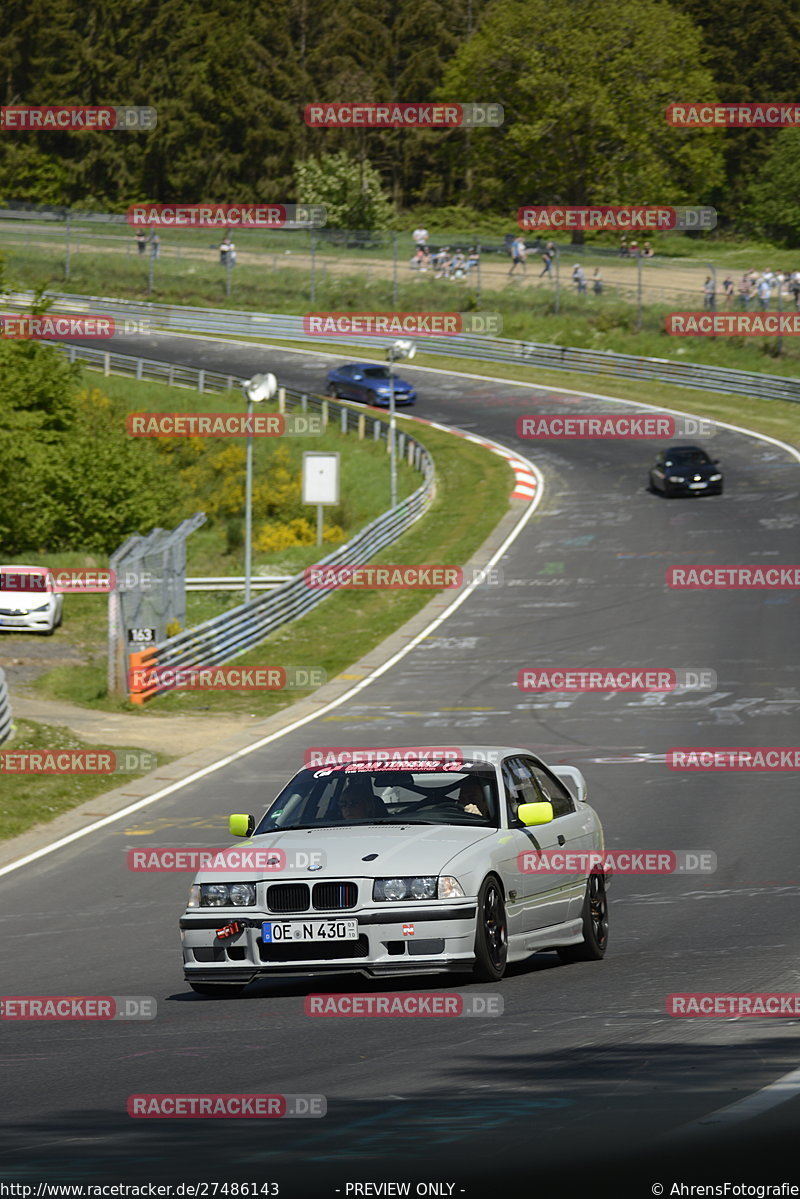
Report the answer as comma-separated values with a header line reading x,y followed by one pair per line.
x,y
398,349
256,390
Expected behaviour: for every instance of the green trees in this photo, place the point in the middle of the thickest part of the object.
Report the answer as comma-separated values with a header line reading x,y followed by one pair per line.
x,y
775,192
584,87
350,189
584,84
70,477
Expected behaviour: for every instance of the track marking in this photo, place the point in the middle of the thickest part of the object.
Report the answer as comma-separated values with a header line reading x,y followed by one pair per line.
x,y
312,716
782,1090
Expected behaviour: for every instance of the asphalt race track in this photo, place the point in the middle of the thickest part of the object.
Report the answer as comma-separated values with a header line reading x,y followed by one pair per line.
x,y
584,1080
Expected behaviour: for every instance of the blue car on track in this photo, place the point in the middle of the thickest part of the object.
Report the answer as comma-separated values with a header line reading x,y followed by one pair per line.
x,y
369,383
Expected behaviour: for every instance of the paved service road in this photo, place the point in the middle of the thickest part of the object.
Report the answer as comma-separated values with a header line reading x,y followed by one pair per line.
x,y
584,1075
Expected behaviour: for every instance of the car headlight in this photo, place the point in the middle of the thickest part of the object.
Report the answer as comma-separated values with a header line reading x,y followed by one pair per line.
x,y
41,608
221,895
676,479
715,478
417,887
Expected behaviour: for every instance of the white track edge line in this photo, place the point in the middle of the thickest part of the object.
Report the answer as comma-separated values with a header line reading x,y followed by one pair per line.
x,y
294,725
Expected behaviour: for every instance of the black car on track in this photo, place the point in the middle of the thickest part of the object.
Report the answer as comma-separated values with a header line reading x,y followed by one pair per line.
x,y
685,470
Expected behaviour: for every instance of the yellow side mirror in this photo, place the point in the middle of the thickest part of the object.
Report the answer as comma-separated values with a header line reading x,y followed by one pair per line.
x,y
535,813
242,825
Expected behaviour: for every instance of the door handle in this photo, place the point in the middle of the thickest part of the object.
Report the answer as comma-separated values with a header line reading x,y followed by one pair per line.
x,y
561,840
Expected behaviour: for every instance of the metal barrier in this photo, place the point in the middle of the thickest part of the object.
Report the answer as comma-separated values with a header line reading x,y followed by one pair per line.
x,y
5,709
238,630
220,321
235,582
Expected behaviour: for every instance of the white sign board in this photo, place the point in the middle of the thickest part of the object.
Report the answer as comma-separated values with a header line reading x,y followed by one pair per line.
x,y
320,478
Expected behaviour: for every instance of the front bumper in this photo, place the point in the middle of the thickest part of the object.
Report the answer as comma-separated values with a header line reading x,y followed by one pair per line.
x,y
420,939
32,622
400,401
687,488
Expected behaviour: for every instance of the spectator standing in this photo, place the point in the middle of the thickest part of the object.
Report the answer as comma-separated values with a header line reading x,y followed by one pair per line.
x,y
420,237
141,241
597,282
155,245
709,294
745,290
764,290
579,278
518,255
547,264
647,250
794,288
224,250
624,252
231,253
727,284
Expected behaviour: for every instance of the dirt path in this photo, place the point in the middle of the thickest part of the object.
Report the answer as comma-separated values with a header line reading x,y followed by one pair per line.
x,y
25,657
662,280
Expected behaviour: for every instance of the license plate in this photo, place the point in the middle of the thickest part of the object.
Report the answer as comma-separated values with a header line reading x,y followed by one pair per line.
x,y
697,486
273,931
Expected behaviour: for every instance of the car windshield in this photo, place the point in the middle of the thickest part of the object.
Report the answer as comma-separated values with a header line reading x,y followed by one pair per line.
x,y
688,457
363,795
378,372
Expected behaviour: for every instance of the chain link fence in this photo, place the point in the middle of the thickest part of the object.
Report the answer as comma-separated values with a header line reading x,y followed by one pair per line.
x,y
148,603
313,265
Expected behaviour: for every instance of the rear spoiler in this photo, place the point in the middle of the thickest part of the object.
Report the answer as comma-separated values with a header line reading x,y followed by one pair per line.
x,y
574,780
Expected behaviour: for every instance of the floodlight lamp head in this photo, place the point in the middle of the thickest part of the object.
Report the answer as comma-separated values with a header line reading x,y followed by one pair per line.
x,y
401,349
260,388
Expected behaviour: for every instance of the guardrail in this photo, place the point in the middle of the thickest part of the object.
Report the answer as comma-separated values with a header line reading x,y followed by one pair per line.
x,y
238,630
5,709
235,583
221,321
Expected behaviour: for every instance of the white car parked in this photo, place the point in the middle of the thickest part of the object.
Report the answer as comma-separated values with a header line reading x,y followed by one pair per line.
x,y
29,602
426,866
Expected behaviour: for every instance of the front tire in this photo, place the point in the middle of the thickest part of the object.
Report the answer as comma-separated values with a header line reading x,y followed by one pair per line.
x,y
330,390
491,934
595,925
217,990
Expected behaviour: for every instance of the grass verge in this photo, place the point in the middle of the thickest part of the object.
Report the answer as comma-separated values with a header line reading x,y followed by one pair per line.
x,y
472,495
30,799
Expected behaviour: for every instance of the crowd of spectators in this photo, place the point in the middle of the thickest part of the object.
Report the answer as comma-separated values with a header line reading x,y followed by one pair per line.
x,y
756,288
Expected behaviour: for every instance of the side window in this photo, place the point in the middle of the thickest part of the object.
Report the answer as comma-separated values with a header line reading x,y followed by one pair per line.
x,y
519,786
553,790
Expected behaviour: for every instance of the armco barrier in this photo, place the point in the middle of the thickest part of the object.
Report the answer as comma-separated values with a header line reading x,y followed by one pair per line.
x,y
5,709
218,321
238,630
241,628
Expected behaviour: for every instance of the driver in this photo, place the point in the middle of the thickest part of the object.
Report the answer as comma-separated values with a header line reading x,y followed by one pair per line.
x,y
358,801
471,797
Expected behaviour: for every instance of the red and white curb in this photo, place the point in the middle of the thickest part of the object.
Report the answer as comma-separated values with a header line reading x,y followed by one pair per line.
x,y
526,481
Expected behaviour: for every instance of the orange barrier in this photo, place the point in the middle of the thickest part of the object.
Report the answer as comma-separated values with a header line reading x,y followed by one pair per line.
x,y
139,661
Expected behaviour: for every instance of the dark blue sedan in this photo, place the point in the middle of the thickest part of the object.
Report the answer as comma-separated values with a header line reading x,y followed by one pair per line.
x,y
370,384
